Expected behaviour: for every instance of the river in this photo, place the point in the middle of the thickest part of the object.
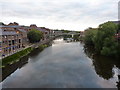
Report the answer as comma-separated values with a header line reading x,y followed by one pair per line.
x,y
62,65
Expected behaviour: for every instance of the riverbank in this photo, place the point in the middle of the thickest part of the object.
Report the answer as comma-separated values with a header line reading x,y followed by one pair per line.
x,y
92,51
16,57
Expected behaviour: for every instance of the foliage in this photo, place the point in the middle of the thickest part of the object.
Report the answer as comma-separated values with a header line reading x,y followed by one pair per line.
x,y
103,39
98,40
41,47
34,36
118,27
89,35
15,57
110,47
1,23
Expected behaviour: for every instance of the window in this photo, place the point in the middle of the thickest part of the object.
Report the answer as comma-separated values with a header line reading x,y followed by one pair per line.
x,y
13,42
19,40
19,46
9,42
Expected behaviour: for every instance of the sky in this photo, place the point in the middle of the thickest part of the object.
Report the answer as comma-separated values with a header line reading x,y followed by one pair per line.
x,y
59,14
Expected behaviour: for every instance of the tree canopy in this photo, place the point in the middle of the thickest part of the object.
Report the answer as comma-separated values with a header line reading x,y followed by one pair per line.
x,y
34,35
103,39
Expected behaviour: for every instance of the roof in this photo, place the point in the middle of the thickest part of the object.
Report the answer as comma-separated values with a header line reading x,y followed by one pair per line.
x,y
116,22
9,26
41,29
8,33
21,30
2,32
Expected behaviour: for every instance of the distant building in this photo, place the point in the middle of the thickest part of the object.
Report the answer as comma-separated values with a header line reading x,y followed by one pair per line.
x,y
82,34
116,22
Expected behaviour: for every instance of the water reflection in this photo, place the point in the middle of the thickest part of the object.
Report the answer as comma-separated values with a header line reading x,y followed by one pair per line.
x,y
9,69
61,65
105,67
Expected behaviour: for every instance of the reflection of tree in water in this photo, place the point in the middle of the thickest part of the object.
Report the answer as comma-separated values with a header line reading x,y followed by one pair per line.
x,y
118,83
103,65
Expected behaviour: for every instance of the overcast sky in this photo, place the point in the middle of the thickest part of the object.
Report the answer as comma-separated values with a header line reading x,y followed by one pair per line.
x,y
59,14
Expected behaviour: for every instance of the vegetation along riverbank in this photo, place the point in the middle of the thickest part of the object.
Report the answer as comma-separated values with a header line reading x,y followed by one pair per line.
x,y
16,57
34,36
103,39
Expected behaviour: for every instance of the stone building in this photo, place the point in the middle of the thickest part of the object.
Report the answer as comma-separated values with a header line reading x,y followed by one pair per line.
x,y
12,40
13,37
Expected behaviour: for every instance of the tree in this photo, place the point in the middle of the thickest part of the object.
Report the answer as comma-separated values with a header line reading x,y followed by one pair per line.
x,y
34,36
89,35
118,30
1,23
110,47
98,41
103,39
109,28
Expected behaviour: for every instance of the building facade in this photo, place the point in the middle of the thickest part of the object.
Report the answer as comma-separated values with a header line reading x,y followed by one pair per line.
x,y
13,37
12,40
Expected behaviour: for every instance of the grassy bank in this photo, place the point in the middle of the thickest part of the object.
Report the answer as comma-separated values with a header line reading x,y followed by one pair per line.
x,y
41,47
15,57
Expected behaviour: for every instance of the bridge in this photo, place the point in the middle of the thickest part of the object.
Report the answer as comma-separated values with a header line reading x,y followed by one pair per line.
x,y
60,34
52,36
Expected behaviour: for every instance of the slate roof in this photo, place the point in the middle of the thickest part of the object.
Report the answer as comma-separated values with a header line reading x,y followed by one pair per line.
x,y
9,26
41,29
21,30
8,33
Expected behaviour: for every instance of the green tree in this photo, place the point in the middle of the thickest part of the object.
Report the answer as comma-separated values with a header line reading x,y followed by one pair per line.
x,y
103,39
89,35
118,30
109,28
98,41
1,23
34,36
110,47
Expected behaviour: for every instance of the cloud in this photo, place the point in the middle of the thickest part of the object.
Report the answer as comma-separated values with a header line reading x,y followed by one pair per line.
x,y
72,14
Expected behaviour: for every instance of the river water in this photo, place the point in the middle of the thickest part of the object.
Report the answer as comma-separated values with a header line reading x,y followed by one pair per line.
x,y
62,65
